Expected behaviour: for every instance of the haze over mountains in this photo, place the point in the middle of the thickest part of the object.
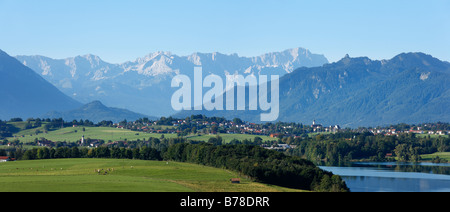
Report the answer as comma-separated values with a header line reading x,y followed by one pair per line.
x,y
352,92
23,93
96,112
143,85
409,88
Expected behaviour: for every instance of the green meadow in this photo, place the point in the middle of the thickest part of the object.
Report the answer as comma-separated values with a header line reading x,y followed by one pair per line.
x,y
73,134
429,157
121,175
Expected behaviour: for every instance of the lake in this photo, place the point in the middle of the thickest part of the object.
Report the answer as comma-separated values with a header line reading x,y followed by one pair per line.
x,y
394,176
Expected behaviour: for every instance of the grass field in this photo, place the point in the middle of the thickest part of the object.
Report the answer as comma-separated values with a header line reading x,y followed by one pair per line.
x,y
73,134
444,155
123,175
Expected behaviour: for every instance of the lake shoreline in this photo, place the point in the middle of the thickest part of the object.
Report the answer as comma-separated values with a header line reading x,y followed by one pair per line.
x,y
394,176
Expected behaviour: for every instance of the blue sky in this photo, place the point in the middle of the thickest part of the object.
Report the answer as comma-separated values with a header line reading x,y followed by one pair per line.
x,y
119,31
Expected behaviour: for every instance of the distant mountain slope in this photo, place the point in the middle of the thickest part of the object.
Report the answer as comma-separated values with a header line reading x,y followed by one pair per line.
x,y
143,85
411,88
23,93
95,111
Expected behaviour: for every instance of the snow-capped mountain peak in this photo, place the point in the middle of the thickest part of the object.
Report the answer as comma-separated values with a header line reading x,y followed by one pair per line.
x,y
84,75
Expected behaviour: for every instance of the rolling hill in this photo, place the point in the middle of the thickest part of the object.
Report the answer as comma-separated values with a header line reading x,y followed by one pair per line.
x,y
96,111
77,175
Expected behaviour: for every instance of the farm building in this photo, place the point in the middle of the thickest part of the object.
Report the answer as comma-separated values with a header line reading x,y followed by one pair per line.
x,y
6,158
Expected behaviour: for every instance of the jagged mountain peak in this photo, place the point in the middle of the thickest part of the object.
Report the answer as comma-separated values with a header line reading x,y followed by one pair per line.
x,y
347,60
90,57
91,78
153,56
196,56
358,91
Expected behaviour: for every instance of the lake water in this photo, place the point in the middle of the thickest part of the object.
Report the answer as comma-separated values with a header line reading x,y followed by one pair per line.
x,y
394,176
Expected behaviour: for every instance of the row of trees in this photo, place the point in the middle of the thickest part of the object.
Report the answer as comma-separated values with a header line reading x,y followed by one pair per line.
x,y
342,147
260,164
143,153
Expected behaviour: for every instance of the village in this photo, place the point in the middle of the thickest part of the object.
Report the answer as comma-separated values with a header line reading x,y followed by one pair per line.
x,y
226,126
193,126
305,140
279,129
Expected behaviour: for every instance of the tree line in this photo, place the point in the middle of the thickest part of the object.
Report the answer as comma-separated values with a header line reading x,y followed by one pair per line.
x,y
141,153
257,163
262,165
347,146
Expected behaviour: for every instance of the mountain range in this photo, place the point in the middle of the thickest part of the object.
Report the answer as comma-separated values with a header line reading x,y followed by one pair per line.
x,y
25,94
143,85
96,112
353,92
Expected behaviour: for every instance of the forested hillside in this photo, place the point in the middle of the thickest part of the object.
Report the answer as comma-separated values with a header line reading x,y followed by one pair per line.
x,y
260,164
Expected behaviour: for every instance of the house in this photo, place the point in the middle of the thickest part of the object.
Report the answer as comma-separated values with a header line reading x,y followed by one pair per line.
x,y
280,147
95,144
274,135
316,127
44,142
6,158
235,180
416,131
336,128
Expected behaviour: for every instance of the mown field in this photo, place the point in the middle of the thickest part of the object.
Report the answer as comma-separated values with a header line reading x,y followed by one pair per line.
x,y
429,157
73,134
122,175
